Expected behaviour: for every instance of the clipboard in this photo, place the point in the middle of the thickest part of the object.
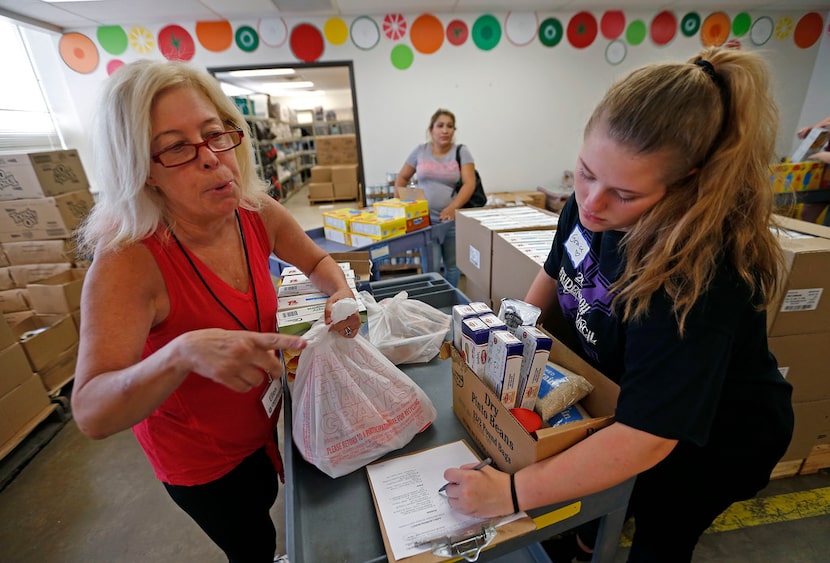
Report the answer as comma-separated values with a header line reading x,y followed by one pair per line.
x,y
470,541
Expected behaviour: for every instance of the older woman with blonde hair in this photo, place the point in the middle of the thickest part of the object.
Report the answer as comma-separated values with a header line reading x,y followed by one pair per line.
x,y
179,339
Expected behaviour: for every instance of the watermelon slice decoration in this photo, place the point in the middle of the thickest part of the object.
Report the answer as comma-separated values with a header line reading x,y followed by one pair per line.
x,y
394,26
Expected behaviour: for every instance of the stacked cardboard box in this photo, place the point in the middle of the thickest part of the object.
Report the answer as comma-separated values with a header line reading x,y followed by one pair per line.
x,y
799,330
23,400
44,198
476,230
333,182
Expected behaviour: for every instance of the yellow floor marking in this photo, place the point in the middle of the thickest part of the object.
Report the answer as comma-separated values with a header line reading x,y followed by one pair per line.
x,y
760,511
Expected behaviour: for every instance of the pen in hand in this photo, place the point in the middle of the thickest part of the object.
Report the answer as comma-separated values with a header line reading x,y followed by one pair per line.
x,y
483,463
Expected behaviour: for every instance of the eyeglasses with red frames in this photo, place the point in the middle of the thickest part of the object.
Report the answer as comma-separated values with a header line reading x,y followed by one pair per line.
x,y
182,153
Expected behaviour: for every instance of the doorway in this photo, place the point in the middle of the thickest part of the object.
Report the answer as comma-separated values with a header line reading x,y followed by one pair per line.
x,y
290,107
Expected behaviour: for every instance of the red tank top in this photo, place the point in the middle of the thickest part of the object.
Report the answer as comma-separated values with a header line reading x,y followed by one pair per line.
x,y
203,429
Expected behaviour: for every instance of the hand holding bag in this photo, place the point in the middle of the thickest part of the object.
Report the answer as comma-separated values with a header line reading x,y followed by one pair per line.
x,y
351,405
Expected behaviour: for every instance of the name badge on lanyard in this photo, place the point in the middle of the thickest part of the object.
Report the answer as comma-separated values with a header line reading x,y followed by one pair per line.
x,y
272,395
577,247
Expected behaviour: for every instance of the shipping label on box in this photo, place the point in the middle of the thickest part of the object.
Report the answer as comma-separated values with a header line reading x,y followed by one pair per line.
x,y
504,365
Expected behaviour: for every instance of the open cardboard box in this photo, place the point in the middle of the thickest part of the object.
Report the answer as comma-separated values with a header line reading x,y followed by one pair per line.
x,y
496,431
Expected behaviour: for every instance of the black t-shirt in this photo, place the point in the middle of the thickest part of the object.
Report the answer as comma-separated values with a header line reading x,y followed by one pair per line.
x,y
716,387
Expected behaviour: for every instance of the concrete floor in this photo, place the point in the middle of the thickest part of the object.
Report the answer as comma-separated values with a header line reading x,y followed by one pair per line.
x,y
79,501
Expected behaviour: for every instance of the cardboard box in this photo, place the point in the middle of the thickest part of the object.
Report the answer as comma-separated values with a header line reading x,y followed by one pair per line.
x,y
515,265
320,190
338,236
14,300
476,229
378,228
507,199
7,337
804,306
46,218
41,174
498,433
344,174
8,281
61,371
812,424
336,149
39,252
345,190
20,406
804,361
16,368
27,274
57,294
320,174
796,176
407,208
42,348
18,316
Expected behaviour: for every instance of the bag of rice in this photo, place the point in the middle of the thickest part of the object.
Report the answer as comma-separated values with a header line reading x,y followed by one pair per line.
x,y
559,390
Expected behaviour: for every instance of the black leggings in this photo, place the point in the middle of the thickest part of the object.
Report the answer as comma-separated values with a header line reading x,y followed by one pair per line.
x,y
234,510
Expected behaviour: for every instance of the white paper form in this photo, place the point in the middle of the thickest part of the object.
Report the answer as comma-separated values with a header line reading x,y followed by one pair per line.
x,y
412,509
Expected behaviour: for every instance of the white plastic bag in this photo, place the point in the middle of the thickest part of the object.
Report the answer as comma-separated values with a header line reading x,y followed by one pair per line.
x,y
406,331
351,405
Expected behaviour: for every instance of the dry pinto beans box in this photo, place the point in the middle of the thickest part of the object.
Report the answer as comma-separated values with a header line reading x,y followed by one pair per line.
x,y
497,432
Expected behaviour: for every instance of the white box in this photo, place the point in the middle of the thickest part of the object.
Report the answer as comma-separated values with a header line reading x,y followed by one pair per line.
x,y
535,354
459,313
504,365
474,336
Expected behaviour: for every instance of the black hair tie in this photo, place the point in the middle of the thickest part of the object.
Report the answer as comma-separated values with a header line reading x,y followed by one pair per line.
x,y
708,69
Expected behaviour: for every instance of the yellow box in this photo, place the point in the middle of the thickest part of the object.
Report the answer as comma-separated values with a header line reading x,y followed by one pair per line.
x,y
341,218
407,208
378,227
338,236
796,176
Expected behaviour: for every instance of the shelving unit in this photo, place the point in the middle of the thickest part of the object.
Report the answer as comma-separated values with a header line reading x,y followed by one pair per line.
x,y
284,161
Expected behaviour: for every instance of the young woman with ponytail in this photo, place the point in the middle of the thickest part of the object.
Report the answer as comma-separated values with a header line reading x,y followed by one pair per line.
x,y
663,265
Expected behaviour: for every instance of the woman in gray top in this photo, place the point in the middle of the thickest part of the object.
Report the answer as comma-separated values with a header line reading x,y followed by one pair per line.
x,y
438,174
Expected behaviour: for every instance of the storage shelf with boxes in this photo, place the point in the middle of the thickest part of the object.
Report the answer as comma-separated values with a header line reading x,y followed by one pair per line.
x,y
336,175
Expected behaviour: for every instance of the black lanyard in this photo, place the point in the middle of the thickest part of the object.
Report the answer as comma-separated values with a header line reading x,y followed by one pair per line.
x,y
205,283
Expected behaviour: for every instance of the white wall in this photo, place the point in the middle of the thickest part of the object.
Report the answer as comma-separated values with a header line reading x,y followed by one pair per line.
x,y
817,101
520,109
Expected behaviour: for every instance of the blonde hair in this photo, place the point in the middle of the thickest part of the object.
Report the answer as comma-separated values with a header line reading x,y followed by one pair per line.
x,y
127,210
718,123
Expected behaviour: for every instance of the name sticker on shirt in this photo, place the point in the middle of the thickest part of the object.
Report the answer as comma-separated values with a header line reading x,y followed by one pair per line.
x,y
577,247
272,396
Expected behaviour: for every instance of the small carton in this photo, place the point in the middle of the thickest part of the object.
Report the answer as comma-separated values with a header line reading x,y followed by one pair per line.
x,y
493,321
338,236
504,365
417,223
407,208
60,371
535,355
320,174
320,191
480,307
459,313
474,338
796,176
378,227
